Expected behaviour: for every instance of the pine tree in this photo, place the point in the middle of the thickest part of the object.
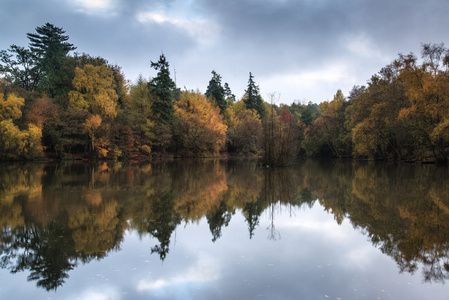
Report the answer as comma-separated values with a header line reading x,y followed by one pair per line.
x,y
253,100
216,92
230,97
50,46
164,88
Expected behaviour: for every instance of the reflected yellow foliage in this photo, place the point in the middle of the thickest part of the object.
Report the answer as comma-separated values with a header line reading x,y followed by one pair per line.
x,y
11,215
93,198
94,227
244,185
16,182
403,209
200,192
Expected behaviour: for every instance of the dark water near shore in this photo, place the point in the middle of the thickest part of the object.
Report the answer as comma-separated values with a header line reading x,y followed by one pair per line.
x,y
196,229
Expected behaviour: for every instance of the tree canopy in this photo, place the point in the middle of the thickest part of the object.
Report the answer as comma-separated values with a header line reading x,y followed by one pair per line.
x,y
69,105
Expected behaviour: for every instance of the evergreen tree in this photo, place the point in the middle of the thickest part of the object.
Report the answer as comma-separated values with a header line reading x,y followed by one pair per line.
x,y
164,88
216,92
253,100
50,46
230,97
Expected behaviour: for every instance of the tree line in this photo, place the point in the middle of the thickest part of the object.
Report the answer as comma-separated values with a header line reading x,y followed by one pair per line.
x,y
55,103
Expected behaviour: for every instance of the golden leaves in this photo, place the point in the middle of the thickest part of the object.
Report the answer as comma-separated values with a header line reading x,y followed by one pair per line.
x,y
10,108
15,142
92,123
200,126
94,90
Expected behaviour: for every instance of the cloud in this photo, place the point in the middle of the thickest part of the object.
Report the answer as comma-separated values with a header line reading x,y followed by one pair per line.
x,y
359,258
330,74
309,84
325,228
205,32
104,294
290,46
205,270
360,45
95,6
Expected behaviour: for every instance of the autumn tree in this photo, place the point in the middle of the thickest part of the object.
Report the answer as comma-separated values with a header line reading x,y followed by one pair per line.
x,y
95,95
139,113
199,128
427,113
45,114
94,91
80,60
14,142
280,135
328,133
373,116
289,137
246,137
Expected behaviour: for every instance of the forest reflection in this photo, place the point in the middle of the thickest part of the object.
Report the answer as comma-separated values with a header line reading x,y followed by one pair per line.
x,y
55,217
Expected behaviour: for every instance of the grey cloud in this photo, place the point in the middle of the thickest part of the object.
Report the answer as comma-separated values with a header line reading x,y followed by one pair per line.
x,y
269,38
317,31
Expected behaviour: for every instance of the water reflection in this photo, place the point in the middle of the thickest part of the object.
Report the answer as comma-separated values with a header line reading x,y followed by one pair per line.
x,y
56,217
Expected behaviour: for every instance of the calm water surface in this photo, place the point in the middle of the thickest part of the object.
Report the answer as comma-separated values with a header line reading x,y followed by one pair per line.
x,y
224,230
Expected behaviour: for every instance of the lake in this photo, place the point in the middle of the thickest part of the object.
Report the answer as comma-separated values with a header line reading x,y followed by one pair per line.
x,y
210,229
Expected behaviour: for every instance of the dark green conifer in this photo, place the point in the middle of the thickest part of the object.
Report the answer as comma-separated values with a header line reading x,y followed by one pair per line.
x,y
216,91
164,88
50,46
253,100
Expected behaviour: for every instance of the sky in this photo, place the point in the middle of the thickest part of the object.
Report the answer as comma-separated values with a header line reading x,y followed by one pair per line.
x,y
299,50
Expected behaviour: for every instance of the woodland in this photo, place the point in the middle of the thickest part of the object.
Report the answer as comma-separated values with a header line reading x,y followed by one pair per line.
x,y
59,104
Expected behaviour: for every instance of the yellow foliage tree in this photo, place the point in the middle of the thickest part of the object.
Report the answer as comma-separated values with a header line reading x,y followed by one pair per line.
x,y
370,136
90,126
247,132
428,111
95,95
199,127
10,108
16,143
94,90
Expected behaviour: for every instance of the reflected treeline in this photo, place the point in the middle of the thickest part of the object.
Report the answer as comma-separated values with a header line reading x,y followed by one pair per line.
x,y
55,217
404,209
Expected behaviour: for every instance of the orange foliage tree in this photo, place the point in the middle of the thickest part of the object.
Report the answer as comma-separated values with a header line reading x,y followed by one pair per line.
x,y
199,127
427,116
244,129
